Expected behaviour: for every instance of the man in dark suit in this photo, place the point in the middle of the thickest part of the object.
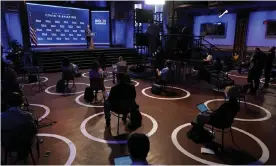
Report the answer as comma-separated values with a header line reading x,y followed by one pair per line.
x,y
88,36
257,62
123,96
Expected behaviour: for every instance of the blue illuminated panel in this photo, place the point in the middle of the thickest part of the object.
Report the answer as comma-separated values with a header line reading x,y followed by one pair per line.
x,y
257,29
55,25
100,27
228,19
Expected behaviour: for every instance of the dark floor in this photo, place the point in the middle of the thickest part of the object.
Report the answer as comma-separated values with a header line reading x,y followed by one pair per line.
x,y
254,129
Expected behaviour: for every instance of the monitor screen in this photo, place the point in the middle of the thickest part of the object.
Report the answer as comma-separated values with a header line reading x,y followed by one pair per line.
x,y
56,25
143,16
217,30
100,27
125,160
270,28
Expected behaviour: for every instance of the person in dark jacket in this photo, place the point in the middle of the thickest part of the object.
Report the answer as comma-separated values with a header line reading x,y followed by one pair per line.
x,y
268,65
226,112
19,128
159,58
123,95
102,61
10,83
257,62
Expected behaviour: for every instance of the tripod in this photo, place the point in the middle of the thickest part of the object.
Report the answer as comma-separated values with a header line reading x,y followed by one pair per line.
x,y
39,82
38,122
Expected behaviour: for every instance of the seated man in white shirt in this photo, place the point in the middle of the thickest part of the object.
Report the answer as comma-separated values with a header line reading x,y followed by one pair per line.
x,y
121,67
163,76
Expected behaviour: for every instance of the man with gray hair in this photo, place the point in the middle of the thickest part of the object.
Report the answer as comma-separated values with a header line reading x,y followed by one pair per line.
x,y
224,113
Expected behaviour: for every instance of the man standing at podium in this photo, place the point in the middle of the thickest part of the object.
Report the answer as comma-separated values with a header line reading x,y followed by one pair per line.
x,y
88,36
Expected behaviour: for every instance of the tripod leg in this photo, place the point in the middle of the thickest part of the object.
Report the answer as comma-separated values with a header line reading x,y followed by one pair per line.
x,y
37,147
32,156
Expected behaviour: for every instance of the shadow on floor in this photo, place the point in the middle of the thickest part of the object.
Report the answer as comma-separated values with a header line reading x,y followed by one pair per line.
x,y
232,155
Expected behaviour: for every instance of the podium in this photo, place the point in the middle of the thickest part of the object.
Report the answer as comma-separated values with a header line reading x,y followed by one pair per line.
x,y
91,44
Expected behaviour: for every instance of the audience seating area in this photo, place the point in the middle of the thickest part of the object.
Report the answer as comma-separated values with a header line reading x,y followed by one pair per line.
x,y
80,125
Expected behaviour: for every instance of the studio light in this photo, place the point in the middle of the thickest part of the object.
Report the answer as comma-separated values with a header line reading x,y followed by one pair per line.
x,y
225,12
154,2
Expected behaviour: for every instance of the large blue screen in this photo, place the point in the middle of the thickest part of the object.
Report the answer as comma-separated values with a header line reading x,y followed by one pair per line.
x,y
54,25
100,27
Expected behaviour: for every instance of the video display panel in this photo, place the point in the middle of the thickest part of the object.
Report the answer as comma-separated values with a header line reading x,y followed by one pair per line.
x,y
56,25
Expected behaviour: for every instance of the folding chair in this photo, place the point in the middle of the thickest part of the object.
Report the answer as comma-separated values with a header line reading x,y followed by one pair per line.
x,y
98,84
69,76
227,123
121,112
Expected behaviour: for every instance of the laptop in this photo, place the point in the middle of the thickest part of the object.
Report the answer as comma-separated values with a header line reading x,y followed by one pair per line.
x,y
202,107
123,160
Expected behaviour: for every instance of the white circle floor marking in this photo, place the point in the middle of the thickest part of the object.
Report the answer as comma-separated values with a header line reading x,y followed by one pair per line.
x,y
262,159
54,93
218,90
47,111
77,100
86,76
262,81
165,98
72,147
233,75
45,79
85,133
268,114
136,82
